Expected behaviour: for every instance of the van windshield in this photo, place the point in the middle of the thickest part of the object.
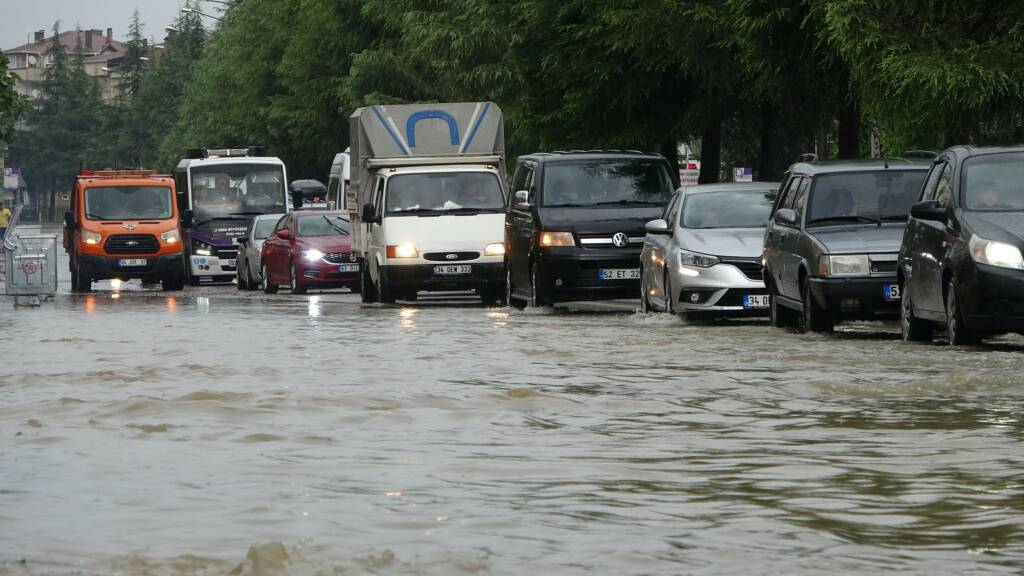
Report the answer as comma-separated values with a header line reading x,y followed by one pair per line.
x,y
641,182
466,192
235,190
868,197
128,203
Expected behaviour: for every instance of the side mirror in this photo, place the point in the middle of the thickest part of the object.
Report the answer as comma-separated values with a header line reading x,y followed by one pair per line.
x,y
785,217
368,214
658,226
522,199
928,210
69,220
284,234
242,239
187,218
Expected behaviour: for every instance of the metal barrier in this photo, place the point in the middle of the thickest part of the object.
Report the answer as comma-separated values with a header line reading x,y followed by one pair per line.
x,y
30,261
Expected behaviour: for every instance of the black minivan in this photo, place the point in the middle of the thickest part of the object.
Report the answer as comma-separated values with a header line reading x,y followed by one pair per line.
x,y
960,265
575,224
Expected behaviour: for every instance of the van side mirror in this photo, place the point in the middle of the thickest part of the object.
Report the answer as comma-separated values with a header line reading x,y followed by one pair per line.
x,y
69,220
368,214
658,226
785,217
187,218
928,210
522,199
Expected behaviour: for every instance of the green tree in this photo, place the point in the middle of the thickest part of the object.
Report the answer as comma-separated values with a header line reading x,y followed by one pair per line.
x,y
12,105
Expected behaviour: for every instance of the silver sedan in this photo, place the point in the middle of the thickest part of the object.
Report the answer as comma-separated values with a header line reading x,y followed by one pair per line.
x,y
250,248
703,257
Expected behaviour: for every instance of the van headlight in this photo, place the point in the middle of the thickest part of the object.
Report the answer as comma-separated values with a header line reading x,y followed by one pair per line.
x,y
993,253
401,251
171,237
312,255
848,265
551,239
92,238
496,249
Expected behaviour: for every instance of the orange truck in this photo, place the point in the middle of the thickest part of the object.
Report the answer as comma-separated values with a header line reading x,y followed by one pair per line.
x,y
124,224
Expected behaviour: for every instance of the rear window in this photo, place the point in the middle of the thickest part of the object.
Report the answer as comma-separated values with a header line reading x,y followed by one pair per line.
x,y
882,195
728,209
994,182
128,203
323,225
597,182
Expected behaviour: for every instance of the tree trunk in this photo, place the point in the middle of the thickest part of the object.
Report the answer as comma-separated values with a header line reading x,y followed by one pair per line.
x,y
767,171
669,148
711,153
849,127
51,209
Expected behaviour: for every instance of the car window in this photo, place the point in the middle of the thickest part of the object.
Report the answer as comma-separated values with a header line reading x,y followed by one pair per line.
x,y
671,211
789,194
264,228
521,181
728,209
800,198
933,180
993,182
283,223
862,196
944,187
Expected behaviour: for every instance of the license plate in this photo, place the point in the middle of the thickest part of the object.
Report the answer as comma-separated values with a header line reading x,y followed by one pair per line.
x,y
756,301
618,273
891,291
132,262
228,263
451,269
348,268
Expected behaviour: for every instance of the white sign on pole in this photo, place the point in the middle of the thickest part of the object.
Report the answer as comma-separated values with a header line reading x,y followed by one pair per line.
x,y
743,174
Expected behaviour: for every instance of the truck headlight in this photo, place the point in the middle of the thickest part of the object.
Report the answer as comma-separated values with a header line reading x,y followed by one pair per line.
x,y
848,265
994,253
171,237
402,251
697,260
312,255
496,249
90,237
201,248
549,239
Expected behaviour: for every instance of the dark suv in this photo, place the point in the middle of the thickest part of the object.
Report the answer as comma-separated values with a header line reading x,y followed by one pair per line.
x,y
961,264
575,224
831,246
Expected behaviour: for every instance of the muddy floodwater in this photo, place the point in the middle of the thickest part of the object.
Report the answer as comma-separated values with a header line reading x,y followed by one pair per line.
x,y
212,433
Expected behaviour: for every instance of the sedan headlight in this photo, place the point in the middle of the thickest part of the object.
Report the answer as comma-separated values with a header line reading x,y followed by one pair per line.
x,y
496,249
171,237
550,239
90,237
697,260
994,253
312,255
848,265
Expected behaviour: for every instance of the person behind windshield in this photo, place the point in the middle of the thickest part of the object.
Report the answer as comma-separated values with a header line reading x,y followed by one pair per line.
x,y
471,195
988,198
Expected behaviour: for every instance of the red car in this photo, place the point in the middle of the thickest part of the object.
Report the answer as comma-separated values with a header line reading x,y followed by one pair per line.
x,y
310,249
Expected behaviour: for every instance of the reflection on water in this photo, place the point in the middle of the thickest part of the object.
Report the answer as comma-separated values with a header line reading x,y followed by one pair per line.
x,y
450,440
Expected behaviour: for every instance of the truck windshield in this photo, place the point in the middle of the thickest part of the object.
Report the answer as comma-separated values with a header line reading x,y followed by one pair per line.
x,y
444,192
599,182
128,203
728,209
235,190
868,197
323,225
994,182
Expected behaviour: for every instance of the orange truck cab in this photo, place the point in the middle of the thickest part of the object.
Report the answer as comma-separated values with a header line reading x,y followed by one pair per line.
x,y
124,224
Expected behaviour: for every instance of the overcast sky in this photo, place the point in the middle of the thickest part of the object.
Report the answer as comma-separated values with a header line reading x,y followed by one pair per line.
x,y
20,18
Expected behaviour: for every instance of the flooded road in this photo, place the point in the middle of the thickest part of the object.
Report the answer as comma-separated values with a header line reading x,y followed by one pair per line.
x,y
214,433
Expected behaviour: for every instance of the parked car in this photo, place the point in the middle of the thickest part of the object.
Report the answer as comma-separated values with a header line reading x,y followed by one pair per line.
x,y
310,249
703,256
831,245
249,270
960,264
575,224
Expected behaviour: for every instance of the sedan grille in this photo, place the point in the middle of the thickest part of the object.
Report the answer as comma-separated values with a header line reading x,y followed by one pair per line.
x,y
131,244
339,257
888,266
751,268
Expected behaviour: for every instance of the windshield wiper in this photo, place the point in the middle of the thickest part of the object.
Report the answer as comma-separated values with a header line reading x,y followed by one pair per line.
x,y
208,220
466,210
92,216
846,219
895,218
339,229
417,211
567,205
247,213
626,203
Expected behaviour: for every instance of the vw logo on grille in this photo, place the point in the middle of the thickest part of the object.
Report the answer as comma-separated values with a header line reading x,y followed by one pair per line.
x,y
452,256
620,240
130,227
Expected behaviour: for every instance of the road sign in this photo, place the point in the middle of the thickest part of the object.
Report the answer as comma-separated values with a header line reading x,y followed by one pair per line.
x,y
689,173
743,174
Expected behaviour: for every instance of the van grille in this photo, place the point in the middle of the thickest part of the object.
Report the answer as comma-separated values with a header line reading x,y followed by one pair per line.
x,y
131,244
443,256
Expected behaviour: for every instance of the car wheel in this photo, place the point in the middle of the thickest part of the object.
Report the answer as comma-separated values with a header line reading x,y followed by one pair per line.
x,y
367,291
74,276
241,277
295,286
537,296
172,283
510,297
265,284
815,318
958,334
669,304
778,315
913,329
84,281
385,290
411,295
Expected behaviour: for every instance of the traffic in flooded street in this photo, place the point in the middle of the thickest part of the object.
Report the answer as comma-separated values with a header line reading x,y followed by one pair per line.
x,y
211,431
